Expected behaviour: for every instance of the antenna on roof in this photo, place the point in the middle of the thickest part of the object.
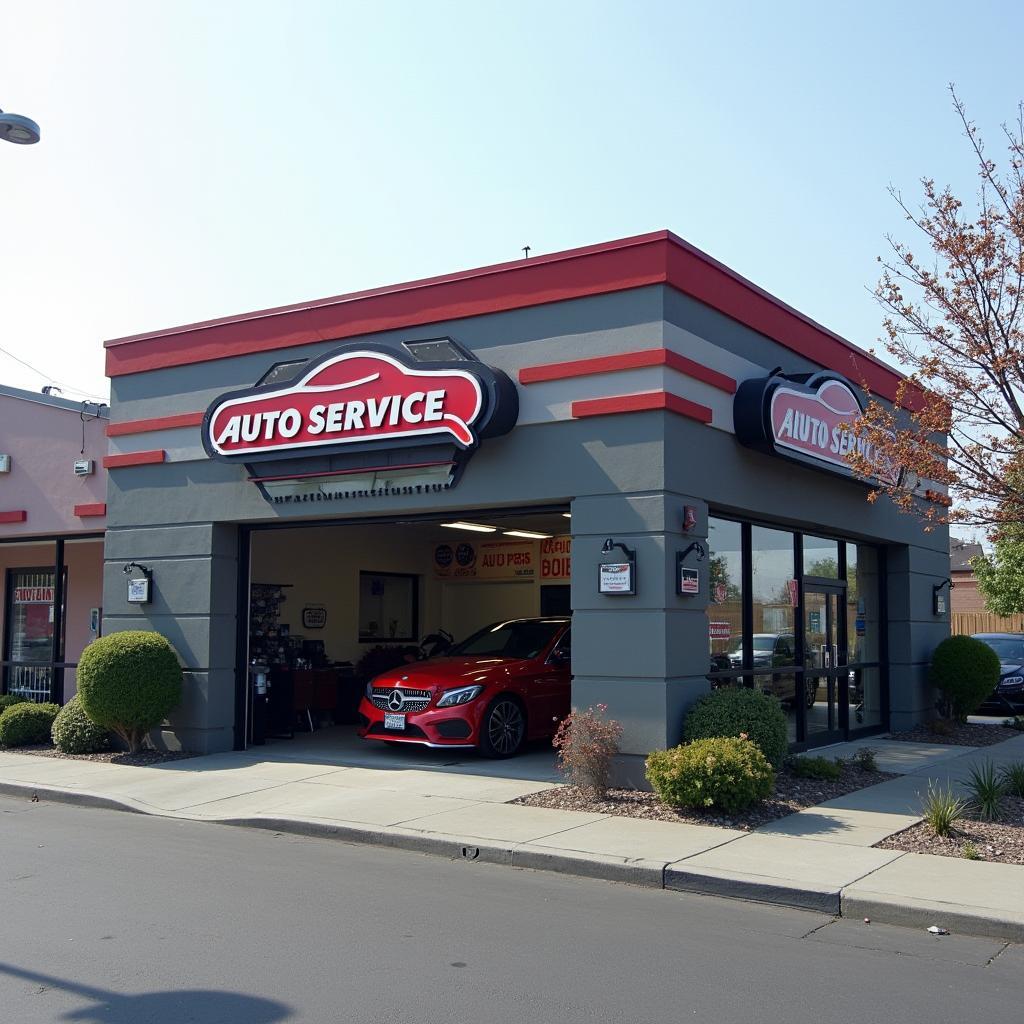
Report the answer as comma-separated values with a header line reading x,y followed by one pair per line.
x,y
526,252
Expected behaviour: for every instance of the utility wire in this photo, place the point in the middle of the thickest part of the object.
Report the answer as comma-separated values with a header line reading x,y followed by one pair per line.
x,y
48,378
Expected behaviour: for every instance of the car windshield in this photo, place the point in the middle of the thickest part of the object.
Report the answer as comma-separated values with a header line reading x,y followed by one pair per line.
x,y
523,639
764,642
1008,648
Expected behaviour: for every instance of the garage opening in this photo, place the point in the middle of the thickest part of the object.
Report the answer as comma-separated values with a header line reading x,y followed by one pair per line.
x,y
466,616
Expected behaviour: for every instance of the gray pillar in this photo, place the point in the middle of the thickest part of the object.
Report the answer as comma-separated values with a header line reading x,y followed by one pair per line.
x,y
195,573
646,655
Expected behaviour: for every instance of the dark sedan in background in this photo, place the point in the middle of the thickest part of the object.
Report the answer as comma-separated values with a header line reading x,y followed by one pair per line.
x,y
1008,697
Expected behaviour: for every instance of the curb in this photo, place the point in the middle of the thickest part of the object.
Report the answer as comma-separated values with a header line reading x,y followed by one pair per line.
x,y
644,873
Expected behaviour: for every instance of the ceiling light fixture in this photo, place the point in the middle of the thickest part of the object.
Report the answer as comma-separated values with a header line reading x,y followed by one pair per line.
x,y
476,527
528,534
567,515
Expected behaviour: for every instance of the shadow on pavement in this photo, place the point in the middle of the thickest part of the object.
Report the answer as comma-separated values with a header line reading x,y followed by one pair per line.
x,y
198,1006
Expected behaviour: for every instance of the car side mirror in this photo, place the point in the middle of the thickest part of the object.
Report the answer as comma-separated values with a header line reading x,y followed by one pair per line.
x,y
559,658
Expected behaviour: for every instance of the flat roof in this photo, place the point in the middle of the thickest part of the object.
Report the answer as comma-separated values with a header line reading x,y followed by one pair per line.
x,y
659,257
55,401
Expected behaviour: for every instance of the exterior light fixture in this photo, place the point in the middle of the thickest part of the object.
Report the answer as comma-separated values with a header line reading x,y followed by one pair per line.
x,y
940,603
528,534
22,131
606,549
476,527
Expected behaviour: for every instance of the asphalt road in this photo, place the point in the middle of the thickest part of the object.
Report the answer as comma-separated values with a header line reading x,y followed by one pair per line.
x,y
111,917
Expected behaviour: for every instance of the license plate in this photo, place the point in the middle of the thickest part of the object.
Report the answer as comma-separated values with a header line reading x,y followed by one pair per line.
x,y
394,722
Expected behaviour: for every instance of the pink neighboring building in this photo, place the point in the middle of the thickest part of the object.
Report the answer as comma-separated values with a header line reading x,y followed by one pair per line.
x,y
53,491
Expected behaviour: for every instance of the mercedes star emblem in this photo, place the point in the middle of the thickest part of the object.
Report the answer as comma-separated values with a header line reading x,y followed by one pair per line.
x,y
395,700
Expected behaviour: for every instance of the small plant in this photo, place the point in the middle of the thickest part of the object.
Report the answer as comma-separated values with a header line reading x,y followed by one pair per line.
x,y
865,759
1013,779
586,742
128,682
9,700
986,790
940,808
725,772
940,727
969,851
1017,722
735,711
74,732
26,724
965,671
815,768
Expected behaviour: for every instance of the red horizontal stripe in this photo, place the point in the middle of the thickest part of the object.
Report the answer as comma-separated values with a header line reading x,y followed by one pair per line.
x,y
643,402
628,361
98,508
656,258
14,516
134,459
184,419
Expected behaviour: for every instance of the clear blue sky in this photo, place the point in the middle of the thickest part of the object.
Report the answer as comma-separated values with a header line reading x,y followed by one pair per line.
x,y
207,158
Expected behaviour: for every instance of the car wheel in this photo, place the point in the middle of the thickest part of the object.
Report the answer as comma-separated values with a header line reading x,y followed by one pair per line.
x,y
503,729
812,692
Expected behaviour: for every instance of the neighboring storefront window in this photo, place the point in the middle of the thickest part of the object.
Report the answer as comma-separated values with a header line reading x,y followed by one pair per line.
x,y
28,644
864,630
388,607
725,609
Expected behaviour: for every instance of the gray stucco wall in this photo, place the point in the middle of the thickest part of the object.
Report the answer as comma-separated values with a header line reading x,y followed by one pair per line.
x,y
626,476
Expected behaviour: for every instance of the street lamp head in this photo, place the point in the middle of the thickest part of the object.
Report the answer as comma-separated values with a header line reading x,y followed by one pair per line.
x,y
22,131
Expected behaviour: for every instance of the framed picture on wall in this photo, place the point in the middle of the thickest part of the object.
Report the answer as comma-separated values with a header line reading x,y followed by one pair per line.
x,y
388,607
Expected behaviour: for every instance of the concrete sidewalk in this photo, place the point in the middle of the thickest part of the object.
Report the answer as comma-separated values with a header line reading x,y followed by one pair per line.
x,y
820,859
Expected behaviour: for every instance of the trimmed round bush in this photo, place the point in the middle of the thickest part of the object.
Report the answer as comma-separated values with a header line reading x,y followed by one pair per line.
x,y
27,723
965,671
129,682
9,700
738,711
74,732
724,772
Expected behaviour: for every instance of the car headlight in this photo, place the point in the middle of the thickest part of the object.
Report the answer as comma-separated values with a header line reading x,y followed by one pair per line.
x,y
463,695
369,690
1013,681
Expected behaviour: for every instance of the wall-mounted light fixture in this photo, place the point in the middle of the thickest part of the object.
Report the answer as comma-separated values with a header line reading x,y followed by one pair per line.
x,y
940,605
606,548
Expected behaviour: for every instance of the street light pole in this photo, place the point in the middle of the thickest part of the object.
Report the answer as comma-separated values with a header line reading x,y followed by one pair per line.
x,y
22,131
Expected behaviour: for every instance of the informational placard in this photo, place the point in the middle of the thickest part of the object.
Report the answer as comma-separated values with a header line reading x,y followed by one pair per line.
x,y
555,559
719,630
689,581
33,595
496,560
138,590
617,578
314,616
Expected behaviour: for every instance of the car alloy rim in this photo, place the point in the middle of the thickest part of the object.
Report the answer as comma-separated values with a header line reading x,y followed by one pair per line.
x,y
505,727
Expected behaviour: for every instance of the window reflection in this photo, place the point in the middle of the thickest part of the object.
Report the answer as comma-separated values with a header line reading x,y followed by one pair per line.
x,y
725,605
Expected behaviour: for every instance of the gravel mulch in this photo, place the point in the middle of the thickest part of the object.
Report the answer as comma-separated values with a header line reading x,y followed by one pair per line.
x,y
142,759
791,794
970,734
1000,841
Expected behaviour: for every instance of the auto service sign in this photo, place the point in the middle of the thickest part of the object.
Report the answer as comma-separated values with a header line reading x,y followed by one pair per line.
x,y
351,397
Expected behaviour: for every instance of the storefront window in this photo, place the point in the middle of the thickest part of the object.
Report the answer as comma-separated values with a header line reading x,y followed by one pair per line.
x,y
821,557
774,595
29,641
388,607
725,607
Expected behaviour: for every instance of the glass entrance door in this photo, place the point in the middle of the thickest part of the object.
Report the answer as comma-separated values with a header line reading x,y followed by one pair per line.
x,y
824,662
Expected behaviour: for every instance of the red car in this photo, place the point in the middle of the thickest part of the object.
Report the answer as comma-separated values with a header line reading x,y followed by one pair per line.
x,y
507,684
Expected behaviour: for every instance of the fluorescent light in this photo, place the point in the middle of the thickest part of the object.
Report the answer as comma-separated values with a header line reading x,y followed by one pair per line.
x,y
471,526
528,534
567,515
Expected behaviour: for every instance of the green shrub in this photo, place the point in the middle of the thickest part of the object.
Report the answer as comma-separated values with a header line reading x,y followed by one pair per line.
x,y
965,671
1013,779
27,723
9,700
969,851
815,768
129,682
737,711
940,808
987,790
724,772
74,732
865,758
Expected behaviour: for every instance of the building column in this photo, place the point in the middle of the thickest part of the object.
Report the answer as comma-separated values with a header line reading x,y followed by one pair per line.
x,y
645,656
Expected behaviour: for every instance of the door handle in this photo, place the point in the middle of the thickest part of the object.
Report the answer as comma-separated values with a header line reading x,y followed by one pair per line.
x,y
824,656
835,656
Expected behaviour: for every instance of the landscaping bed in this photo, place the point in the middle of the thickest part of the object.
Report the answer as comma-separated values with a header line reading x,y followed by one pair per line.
x,y
1000,841
792,794
139,759
967,734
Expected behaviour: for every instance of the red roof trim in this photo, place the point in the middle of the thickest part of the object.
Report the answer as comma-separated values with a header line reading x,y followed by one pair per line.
x,y
643,402
185,419
98,508
628,361
659,257
134,459
14,516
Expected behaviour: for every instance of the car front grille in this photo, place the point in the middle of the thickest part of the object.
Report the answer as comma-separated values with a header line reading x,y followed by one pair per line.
x,y
412,700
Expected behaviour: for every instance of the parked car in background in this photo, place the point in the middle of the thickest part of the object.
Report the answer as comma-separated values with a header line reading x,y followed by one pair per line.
x,y
771,651
506,684
1009,694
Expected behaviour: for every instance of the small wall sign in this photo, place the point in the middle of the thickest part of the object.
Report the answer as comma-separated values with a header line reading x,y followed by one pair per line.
x,y
719,630
688,581
314,616
139,591
617,578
